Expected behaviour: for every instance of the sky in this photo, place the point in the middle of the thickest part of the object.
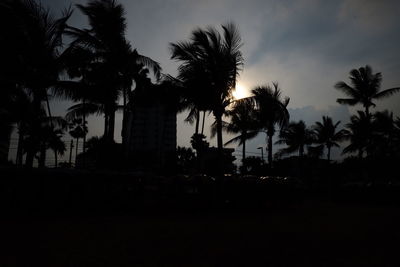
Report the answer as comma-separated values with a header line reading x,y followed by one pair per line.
x,y
305,45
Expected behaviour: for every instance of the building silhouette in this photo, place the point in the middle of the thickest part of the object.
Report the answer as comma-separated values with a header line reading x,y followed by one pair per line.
x,y
149,130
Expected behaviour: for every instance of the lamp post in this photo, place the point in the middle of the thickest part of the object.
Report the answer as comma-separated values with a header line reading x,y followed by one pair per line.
x,y
262,153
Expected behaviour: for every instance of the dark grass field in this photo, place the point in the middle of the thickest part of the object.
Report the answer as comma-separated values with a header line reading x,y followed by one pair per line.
x,y
310,234
50,218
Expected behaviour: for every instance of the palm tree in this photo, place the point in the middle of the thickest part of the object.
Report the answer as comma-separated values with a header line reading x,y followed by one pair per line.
x,y
56,144
358,133
383,133
39,141
296,136
78,129
242,122
36,41
16,109
110,62
364,88
211,61
326,134
272,111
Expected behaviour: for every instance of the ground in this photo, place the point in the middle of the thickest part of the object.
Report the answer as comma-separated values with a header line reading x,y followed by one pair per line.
x,y
309,234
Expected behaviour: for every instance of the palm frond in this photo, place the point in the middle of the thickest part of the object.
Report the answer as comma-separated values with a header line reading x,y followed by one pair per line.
x,y
148,62
386,93
79,110
347,101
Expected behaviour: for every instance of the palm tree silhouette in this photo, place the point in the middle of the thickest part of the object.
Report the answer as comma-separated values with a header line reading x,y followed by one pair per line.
x,y
296,136
242,122
383,133
272,111
56,144
358,133
364,88
36,64
16,109
78,129
326,134
212,61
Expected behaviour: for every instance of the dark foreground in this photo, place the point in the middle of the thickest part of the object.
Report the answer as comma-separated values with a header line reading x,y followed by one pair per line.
x,y
203,232
310,235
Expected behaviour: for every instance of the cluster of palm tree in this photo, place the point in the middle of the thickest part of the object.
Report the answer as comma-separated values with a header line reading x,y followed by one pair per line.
x,y
266,110
210,64
262,112
96,69
32,65
373,134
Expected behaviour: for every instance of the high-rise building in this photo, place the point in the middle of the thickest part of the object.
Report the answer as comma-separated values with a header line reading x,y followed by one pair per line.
x,y
149,130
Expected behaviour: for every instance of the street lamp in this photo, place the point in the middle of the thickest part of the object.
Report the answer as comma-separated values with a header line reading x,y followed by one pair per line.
x,y
262,153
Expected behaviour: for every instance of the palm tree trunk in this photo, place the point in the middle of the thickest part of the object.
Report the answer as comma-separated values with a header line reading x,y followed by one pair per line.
x,y
270,149
197,121
244,148
42,161
111,127
244,153
329,154
30,154
106,122
84,124
76,149
84,143
70,152
20,151
42,156
55,159
48,110
124,95
124,98
33,131
218,118
367,111
202,125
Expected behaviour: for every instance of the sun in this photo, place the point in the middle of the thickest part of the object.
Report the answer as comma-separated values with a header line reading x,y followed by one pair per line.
x,y
240,92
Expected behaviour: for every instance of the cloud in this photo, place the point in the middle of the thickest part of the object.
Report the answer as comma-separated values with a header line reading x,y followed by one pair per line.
x,y
370,15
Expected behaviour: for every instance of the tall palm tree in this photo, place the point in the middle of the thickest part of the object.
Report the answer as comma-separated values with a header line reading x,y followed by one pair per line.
x,y
272,111
364,88
78,129
296,136
358,133
242,122
326,134
211,61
